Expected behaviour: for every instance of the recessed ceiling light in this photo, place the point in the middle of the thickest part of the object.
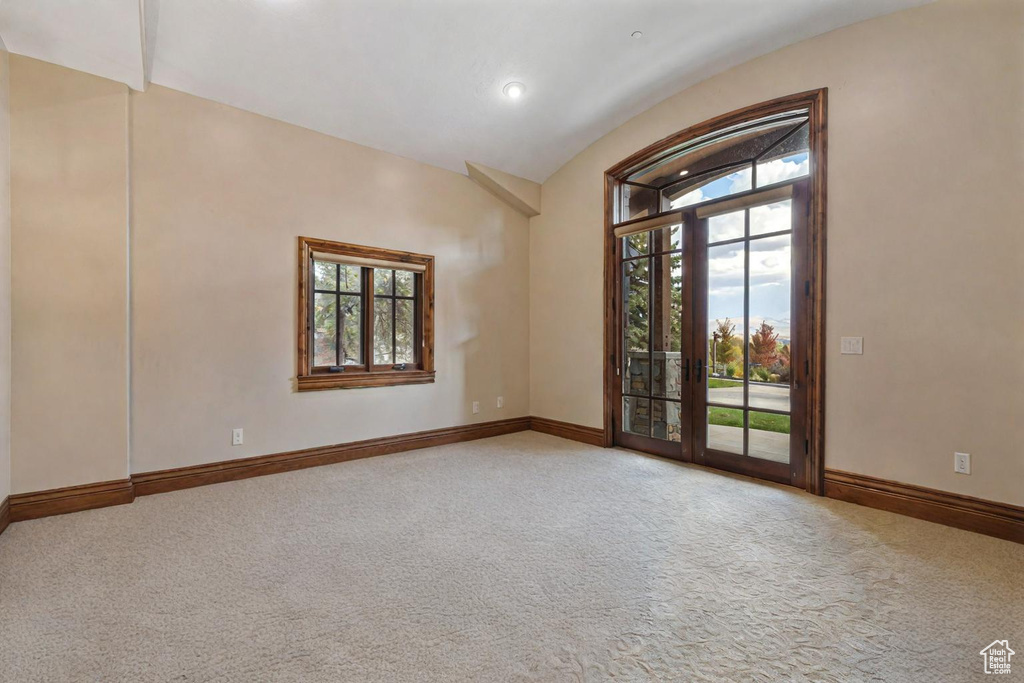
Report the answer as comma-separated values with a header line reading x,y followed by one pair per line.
x,y
637,34
683,172
514,90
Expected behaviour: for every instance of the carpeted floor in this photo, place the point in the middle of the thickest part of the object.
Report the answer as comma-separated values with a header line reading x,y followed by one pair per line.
x,y
519,558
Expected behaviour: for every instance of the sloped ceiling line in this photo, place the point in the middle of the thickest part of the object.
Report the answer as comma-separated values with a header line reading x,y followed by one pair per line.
x,y
144,45
423,79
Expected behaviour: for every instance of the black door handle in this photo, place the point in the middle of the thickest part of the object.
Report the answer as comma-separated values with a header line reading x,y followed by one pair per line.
x,y
699,367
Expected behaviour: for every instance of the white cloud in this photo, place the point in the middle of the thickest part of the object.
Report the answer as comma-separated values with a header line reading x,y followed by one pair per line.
x,y
692,197
727,226
740,180
770,282
771,217
783,169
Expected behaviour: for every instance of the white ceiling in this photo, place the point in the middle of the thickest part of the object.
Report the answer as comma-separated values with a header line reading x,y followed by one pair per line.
x,y
100,37
423,78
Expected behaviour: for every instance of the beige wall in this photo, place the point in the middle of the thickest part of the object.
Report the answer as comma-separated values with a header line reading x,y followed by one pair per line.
x,y
925,242
218,199
926,256
5,277
69,225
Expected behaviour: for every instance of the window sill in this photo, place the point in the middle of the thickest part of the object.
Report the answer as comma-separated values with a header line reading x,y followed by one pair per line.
x,y
357,380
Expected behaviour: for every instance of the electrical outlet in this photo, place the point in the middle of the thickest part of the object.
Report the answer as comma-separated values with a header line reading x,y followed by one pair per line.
x,y
476,407
962,463
852,346
501,401
236,437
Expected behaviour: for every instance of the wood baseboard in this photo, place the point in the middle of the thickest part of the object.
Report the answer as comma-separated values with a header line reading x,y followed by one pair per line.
x,y
75,498
1001,520
593,436
5,514
70,499
199,475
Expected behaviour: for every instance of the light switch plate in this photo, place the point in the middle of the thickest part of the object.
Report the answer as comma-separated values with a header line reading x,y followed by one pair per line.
x,y
236,437
852,346
476,407
962,463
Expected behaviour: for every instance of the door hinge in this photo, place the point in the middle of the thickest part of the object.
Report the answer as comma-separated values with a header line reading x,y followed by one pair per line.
x,y
807,446
807,287
807,368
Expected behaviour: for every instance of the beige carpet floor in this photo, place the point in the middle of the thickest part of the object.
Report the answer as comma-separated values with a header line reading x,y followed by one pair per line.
x,y
519,558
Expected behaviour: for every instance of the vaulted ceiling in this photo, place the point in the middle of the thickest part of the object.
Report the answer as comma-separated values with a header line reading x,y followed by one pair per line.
x,y
423,78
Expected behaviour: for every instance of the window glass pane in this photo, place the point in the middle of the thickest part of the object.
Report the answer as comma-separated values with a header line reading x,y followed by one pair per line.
x,y
325,329
350,278
794,144
769,436
727,226
717,186
636,378
405,332
636,283
382,321
404,283
325,275
790,159
638,202
636,415
725,430
667,323
725,343
382,281
723,389
666,424
350,323
636,288
669,238
741,143
768,218
635,244
770,315
782,169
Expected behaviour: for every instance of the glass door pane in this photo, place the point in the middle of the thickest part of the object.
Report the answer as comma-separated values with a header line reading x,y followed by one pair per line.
x,y
653,368
747,315
749,278
636,286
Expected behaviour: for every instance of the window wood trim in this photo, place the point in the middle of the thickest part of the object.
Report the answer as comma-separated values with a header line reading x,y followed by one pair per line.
x,y
370,375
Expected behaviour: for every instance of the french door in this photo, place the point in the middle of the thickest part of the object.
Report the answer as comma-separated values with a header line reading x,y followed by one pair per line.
x,y
713,332
653,395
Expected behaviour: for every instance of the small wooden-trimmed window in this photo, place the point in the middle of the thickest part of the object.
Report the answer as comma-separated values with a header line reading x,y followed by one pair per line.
x,y
366,316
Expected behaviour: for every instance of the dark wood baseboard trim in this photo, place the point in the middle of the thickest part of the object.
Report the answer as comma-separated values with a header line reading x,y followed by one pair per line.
x,y
1001,520
76,498
70,499
593,436
25,506
5,514
199,475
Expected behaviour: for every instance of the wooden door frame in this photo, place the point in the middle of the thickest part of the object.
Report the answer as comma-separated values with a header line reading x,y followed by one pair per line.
x,y
816,103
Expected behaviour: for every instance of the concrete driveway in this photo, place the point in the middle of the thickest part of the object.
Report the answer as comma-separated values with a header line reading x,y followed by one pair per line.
x,y
771,396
